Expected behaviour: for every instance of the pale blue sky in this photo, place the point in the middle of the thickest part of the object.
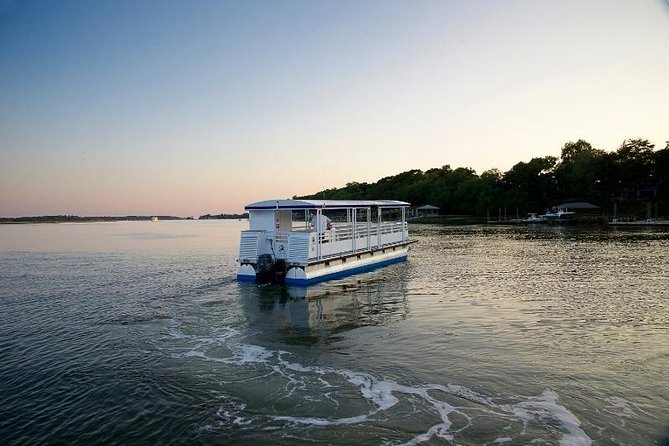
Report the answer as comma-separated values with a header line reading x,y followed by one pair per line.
x,y
158,107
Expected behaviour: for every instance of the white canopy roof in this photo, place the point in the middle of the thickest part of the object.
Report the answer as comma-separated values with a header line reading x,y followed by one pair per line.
x,y
577,205
323,204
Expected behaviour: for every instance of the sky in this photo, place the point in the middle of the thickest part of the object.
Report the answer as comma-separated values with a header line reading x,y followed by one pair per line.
x,y
137,107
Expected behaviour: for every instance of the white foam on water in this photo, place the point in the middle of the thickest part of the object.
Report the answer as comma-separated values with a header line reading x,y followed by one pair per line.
x,y
384,394
221,334
546,407
440,430
380,392
462,392
252,353
229,414
242,353
321,421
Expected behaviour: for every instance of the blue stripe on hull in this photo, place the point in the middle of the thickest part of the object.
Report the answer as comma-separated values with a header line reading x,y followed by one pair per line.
x,y
245,278
348,272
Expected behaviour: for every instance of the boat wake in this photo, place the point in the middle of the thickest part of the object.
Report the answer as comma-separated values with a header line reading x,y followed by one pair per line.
x,y
295,397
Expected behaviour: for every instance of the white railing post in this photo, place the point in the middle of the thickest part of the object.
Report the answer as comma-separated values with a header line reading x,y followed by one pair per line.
x,y
319,240
353,233
378,227
369,228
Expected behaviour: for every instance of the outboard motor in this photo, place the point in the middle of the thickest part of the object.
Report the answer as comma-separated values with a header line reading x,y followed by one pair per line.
x,y
265,268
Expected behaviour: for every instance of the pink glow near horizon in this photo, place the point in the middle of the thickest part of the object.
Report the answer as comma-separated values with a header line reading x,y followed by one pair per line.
x,y
128,108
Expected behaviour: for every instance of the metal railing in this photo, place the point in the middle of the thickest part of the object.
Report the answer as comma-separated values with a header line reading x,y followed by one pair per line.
x,y
341,239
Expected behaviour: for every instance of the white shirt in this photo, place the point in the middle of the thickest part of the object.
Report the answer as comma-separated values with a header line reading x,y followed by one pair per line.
x,y
320,223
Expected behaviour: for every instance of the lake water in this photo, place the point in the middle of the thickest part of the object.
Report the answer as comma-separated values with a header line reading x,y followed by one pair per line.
x,y
138,333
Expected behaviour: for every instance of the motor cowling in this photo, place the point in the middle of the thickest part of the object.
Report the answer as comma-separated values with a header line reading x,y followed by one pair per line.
x,y
268,269
265,263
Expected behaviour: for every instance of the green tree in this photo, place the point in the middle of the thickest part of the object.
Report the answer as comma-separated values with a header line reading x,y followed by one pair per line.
x,y
662,178
636,160
634,163
579,170
529,186
490,191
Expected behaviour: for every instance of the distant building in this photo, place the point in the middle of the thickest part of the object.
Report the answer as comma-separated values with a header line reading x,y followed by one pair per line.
x,y
427,211
580,208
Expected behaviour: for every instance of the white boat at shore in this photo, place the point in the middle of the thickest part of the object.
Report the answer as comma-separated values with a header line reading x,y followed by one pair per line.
x,y
558,214
307,241
532,218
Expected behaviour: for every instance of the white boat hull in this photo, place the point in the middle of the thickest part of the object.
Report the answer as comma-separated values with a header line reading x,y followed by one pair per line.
x,y
336,267
246,273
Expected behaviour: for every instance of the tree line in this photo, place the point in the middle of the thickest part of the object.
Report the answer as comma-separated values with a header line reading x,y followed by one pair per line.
x,y
78,219
223,216
631,180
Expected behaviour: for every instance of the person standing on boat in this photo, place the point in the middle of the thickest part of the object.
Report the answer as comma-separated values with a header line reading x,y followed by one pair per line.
x,y
321,223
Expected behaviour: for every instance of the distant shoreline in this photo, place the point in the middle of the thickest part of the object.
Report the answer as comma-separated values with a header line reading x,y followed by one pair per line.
x,y
102,219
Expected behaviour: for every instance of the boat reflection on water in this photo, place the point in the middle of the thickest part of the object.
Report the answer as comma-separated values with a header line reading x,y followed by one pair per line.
x,y
314,313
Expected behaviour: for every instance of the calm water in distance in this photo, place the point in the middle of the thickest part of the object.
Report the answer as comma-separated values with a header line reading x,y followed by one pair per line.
x,y
138,333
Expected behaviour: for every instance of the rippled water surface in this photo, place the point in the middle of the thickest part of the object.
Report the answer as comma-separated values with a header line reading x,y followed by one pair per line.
x,y
137,332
